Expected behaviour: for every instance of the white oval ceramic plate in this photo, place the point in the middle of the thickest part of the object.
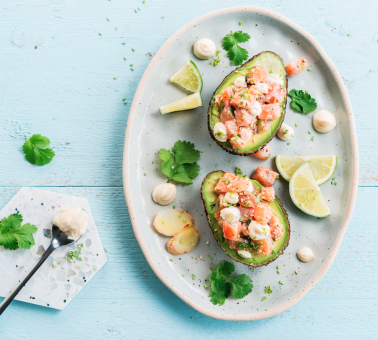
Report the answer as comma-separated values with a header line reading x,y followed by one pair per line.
x,y
148,131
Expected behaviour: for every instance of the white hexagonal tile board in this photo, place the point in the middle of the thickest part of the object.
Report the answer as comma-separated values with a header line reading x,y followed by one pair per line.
x,y
50,286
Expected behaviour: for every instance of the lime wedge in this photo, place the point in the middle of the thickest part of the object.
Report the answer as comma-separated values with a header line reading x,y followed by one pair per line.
x,y
306,194
322,167
188,77
186,103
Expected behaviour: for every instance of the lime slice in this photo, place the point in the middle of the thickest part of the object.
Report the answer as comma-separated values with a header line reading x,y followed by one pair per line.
x,y
186,103
306,194
188,77
322,167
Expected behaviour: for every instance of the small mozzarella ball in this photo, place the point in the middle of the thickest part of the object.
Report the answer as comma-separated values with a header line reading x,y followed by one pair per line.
x,y
305,254
231,214
324,121
245,254
240,82
204,48
274,78
164,194
262,88
257,231
220,132
256,110
250,188
231,197
285,132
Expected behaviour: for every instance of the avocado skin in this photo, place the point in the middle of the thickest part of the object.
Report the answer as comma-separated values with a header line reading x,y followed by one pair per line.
x,y
221,243
231,150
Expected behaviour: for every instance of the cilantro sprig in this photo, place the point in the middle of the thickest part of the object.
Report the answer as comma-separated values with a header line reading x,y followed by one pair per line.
x,y
239,172
13,235
236,53
34,152
302,101
221,284
181,165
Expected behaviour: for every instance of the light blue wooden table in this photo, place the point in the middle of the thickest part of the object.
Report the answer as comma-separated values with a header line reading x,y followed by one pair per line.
x,y
56,78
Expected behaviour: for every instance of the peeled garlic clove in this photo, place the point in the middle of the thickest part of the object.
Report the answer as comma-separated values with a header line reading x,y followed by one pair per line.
x,y
324,121
164,194
305,254
204,48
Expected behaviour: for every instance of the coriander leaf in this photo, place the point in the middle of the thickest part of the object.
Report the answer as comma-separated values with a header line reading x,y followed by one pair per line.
x,y
228,42
239,173
241,286
302,101
34,152
13,235
185,153
168,162
220,289
226,269
241,37
236,53
180,165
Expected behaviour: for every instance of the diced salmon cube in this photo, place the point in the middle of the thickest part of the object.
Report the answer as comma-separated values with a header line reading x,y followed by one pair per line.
x,y
231,231
256,75
270,111
276,228
265,176
244,118
226,114
247,200
275,94
296,66
264,246
263,125
262,213
263,153
267,193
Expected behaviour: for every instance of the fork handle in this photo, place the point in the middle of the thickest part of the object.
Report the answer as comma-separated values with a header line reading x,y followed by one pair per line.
x,y
22,283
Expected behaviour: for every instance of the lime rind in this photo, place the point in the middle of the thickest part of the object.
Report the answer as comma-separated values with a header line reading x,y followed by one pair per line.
x,y
187,103
188,77
312,192
314,162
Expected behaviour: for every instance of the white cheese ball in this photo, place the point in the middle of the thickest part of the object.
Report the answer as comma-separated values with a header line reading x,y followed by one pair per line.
x,y
305,254
257,231
231,197
257,109
324,121
262,88
204,48
240,82
245,254
73,221
231,214
220,132
285,132
274,78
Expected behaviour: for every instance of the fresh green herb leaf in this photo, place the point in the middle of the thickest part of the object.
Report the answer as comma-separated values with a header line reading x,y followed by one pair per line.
x,y
180,165
221,284
13,235
302,101
239,173
236,53
34,152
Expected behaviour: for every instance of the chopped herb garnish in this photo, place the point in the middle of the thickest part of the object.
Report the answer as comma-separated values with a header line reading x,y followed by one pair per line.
x,y
264,298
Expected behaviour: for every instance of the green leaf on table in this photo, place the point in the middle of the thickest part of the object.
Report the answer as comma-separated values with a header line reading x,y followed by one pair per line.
x,y
35,150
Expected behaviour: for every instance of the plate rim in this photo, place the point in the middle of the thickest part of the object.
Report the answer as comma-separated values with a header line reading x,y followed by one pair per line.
x,y
355,166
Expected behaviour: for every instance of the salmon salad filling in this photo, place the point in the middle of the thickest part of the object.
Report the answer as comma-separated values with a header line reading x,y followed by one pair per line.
x,y
242,212
249,106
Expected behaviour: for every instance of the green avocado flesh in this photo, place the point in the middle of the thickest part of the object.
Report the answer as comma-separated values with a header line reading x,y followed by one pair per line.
x,y
272,63
209,198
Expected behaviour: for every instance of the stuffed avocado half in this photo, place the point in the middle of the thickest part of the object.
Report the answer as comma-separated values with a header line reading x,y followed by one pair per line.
x,y
244,115
261,251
